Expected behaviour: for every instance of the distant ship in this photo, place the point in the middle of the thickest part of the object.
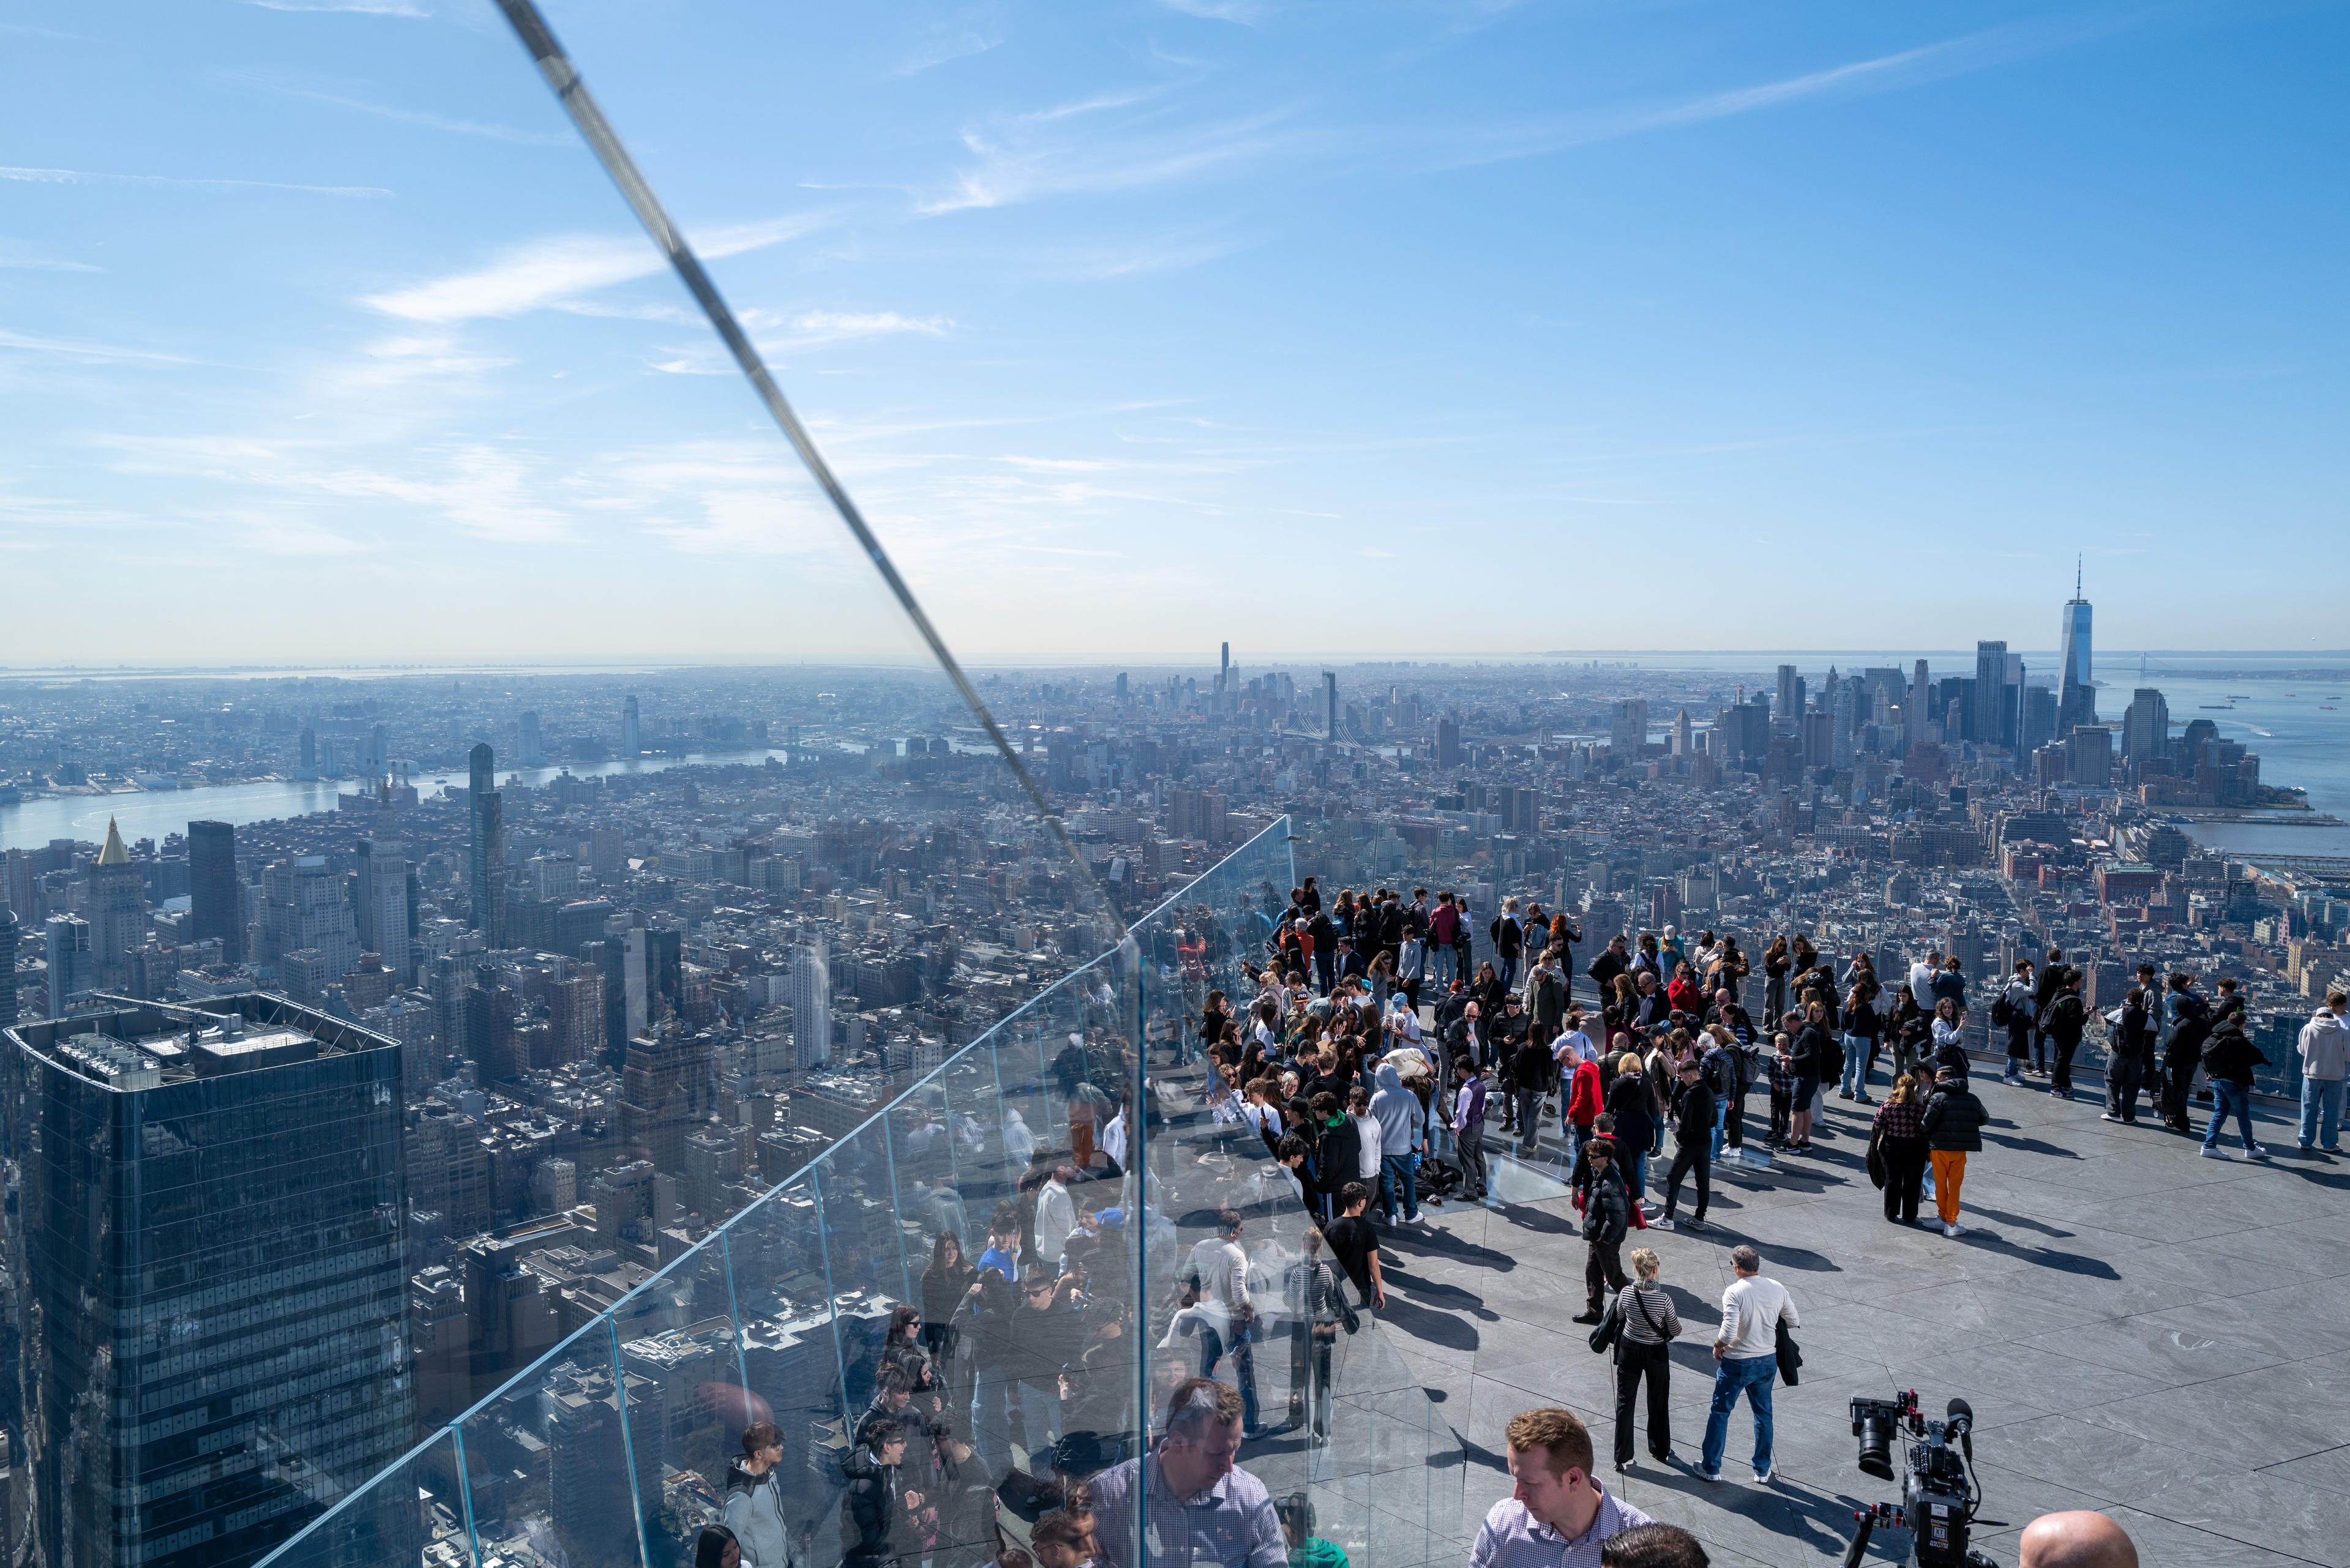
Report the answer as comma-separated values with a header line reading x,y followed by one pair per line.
x,y
2217,708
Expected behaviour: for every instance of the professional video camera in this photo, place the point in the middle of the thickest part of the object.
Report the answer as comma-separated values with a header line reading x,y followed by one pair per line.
x,y
1939,1493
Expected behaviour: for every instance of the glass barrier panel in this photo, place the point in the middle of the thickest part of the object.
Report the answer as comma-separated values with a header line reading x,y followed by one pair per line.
x,y
410,1513
549,1464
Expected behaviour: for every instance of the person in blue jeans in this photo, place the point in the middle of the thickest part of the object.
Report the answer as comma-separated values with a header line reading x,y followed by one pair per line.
x,y
2229,1056
2324,1047
1746,1357
1403,1133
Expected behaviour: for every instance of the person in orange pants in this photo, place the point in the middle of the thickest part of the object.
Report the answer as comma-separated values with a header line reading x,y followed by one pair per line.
x,y
1953,1129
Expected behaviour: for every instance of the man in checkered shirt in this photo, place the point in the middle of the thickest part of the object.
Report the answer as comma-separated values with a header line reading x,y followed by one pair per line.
x,y
1558,1513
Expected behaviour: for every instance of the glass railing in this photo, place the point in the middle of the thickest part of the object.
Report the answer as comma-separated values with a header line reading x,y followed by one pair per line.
x,y
620,1446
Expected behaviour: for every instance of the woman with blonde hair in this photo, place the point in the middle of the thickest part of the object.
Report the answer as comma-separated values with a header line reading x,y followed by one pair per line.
x,y
1644,1349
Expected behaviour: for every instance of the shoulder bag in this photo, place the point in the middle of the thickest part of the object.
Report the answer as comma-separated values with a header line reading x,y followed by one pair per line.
x,y
1791,1355
1611,1328
1876,1171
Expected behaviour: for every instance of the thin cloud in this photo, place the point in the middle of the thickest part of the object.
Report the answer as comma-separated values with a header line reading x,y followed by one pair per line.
x,y
489,131
809,329
1241,12
1017,165
1883,73
22,257
556,272
96,351
91,177
364,7
970,33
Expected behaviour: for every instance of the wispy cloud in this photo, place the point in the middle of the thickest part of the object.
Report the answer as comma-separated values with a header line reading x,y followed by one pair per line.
x,y
91,177
366,8
1247,13
1138,257
970,32
1455,148
1021,161
490,130
786,335
25,257
92,351
557,271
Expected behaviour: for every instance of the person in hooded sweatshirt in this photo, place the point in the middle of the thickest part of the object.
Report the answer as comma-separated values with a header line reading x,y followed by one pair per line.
x,y
754,1500
1403,1132
879,1522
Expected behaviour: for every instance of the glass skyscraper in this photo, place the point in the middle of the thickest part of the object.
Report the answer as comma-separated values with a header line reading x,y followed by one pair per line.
x,y
2076,698
206,1281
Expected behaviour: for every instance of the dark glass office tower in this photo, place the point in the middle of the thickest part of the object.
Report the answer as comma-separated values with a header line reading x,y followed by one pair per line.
x,y
486,847
206,1281
215,909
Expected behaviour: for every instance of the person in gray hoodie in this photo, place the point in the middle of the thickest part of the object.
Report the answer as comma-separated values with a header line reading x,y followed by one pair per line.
x,y
754,1500
1403,1133
2324,1046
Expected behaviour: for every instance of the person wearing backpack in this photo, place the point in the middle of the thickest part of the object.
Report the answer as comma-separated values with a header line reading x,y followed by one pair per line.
x,y
1719,1068
2013,1011
2043,995
2068,1018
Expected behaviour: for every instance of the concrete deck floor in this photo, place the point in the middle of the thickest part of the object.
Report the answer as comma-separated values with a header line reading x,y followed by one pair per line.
x,y
2139,1330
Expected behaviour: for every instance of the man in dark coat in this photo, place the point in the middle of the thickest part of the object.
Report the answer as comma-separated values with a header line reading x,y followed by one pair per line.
x,y
1607,1216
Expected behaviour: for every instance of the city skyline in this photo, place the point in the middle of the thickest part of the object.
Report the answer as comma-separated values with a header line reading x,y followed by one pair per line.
x,y
1079,312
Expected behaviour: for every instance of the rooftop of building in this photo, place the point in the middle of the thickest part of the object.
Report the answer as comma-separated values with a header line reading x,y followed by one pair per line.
x,y
128,1046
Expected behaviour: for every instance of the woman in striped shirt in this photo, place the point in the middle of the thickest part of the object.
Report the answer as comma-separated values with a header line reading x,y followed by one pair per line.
x,y
1644,1348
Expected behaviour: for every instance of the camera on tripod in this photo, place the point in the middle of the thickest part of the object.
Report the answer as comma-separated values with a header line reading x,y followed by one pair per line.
x,y
1938,1495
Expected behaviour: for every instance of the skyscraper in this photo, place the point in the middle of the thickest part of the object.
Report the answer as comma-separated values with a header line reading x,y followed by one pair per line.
x,y
532,755
2076,698
1789,703
310,750
71,971
629,738
2145,726
117,907
1329,704
383,890
811,1008
9,933
1988,720
206,1282
486,854
304,910
216,897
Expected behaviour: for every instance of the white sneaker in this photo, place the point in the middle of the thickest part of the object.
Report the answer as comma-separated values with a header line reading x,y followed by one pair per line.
x,y
2213,1152
2109,1117
1662,1225
1950,1229
1762,1478
2256,1152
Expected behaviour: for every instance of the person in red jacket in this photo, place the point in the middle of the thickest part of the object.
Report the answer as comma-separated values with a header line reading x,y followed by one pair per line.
x,y
1584,1104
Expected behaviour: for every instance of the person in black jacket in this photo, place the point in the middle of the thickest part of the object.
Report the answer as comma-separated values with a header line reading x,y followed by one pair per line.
x,y
1530,1065
1629,1101
1953,1127
2229,1056
878,1526
2191,1025
1507,1029
1807,1059
2125,1064
2068,1018
1612,962
1693,1117
2045,992
1338,1152
1607,1216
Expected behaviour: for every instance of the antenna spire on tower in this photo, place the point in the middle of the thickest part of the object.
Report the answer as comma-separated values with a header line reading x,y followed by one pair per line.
x,y
2077,576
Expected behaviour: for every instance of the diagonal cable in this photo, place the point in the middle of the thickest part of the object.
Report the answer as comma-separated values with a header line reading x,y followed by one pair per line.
x,y
556,65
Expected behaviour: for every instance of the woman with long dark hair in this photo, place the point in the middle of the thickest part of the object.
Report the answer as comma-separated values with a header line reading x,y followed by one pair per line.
x,y
944,1283
1776,961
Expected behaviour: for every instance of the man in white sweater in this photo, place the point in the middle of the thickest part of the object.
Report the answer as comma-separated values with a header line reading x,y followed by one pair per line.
x,y
1746,1352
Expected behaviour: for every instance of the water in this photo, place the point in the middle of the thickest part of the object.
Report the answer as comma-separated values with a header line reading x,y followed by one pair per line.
x,y
2298,741
155,813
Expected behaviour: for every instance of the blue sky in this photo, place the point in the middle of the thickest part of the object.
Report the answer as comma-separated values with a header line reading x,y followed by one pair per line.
x,y
1425,327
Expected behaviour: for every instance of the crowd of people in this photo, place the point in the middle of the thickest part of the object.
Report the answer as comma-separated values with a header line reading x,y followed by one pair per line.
x,y
1366,1061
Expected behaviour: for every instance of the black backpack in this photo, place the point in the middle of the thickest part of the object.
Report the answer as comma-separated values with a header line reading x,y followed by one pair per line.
x,y
2002,1011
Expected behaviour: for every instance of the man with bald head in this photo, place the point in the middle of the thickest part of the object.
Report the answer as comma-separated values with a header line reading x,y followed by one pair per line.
x,y
2076,1540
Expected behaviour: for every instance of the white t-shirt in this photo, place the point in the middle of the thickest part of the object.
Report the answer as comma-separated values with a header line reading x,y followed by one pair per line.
x,y
1921,983
1223,1269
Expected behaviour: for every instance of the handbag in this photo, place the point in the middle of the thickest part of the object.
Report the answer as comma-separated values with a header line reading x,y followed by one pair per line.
x,y
1878,1174
1791,1355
